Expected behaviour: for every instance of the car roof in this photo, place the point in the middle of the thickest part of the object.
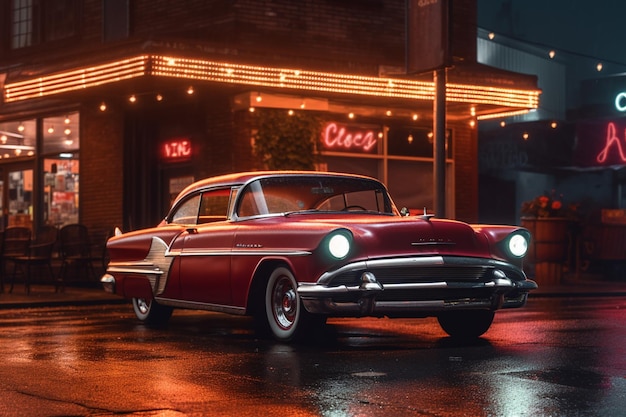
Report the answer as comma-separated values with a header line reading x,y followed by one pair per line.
x,y
240,178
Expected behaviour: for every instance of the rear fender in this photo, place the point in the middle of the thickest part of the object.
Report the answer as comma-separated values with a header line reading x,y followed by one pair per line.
x,y
137,287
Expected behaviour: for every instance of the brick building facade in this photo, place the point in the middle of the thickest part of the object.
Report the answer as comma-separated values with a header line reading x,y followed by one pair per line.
x,y
343,60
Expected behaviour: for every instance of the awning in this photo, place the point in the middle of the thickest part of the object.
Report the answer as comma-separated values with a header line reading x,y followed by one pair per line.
x,y
493,99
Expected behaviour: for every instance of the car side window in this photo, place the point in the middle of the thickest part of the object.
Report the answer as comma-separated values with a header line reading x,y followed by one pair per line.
x,y
214,206
187,212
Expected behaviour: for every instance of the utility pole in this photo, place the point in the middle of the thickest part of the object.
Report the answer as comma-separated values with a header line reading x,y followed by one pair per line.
x,y
439,143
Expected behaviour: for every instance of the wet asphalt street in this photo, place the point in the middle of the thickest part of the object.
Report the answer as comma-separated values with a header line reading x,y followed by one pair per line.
x,y
556,357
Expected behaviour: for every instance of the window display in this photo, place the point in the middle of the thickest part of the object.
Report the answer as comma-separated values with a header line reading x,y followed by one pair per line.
x,y
61,191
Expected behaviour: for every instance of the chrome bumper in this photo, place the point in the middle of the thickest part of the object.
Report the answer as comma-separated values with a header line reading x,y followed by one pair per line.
x,y
108,283
497,292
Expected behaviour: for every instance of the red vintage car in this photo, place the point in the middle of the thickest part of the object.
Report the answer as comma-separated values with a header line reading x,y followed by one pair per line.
x,y
293,248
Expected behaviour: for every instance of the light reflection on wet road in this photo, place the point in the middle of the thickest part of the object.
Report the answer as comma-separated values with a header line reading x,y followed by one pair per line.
x,y
556,357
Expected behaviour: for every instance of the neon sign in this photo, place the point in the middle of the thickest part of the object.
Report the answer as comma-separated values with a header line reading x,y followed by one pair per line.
x,y
176,149
612,141
620,101
338,137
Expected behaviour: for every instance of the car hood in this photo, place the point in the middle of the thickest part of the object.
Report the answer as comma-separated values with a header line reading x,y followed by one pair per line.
x,y
397,236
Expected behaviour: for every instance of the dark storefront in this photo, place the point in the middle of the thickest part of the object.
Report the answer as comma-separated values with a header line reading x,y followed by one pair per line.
x,y
581,162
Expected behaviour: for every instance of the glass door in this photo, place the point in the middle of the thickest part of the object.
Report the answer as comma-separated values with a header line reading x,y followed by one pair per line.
x,y
19,209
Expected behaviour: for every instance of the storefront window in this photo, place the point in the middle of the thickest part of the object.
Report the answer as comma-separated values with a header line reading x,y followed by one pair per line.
x,y
17,139
55,201
369,167
60,147
61,134
404,162
417,142
411,184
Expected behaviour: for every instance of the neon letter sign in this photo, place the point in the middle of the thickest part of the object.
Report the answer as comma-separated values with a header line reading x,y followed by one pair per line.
x,y
335,137
611,140
619,101
176,149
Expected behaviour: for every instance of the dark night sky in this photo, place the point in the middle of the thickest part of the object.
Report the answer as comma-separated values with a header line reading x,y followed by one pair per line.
x,y
594,28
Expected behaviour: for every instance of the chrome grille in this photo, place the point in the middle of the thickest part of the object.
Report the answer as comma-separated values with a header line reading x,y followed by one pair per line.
x,y
401,275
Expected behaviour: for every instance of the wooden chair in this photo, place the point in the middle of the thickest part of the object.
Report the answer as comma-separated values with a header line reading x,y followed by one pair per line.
x,y
75,250
39,254
15,244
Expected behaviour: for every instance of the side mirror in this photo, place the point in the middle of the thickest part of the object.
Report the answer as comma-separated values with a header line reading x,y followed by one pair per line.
x,y
404,212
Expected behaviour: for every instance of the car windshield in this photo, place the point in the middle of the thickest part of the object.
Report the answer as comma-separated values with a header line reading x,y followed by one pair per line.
x,y
296,194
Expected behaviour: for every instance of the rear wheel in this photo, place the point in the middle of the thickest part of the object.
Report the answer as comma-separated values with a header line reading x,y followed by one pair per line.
x,y
151,312
468,324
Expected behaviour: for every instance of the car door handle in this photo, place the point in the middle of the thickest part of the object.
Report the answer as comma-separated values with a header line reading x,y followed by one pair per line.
x,y
192,230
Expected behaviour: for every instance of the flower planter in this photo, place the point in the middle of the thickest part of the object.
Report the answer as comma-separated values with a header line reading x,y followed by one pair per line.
x,y
549,246
550,238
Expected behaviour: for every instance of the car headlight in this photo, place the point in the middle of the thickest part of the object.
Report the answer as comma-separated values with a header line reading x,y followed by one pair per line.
x,y
518,245
339,245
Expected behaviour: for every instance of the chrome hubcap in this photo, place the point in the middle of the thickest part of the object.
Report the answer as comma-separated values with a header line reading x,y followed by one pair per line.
x,y
143,306
284,303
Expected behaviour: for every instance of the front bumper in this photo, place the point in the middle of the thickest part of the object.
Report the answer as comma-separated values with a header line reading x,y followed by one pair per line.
x,y
417,286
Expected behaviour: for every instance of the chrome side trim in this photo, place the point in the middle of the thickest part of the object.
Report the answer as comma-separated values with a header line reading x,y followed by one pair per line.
x,y
133,268
195,305
243,252
155,267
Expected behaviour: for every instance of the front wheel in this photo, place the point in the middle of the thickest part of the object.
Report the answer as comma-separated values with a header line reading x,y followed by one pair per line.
x,y
284,315
282,304
468,324
151,312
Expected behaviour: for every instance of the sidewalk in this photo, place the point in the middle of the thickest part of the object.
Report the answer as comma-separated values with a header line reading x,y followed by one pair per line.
x,y
45,296
584,286
93,294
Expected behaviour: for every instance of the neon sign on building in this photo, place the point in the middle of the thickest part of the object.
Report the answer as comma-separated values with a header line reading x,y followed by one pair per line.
x,y
338,137
176,150
620,101
612,150
600,143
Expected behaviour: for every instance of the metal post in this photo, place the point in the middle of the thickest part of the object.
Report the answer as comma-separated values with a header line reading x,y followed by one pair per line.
x,y
439,143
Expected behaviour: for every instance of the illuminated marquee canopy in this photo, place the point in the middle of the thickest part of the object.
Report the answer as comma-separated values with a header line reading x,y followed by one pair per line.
x,y
231,73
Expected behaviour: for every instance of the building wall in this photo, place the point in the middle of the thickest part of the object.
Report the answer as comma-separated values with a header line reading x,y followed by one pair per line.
x,y
101,169
332,35
466,173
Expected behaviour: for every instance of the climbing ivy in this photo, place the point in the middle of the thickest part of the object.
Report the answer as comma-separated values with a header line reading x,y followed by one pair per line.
x,y
287,142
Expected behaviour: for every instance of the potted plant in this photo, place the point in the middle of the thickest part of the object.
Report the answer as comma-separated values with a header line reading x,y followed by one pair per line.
x,y
287,140
550,223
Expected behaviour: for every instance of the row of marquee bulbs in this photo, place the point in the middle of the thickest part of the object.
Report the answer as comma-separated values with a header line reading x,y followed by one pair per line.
x,y
351,115
133,98
259,98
